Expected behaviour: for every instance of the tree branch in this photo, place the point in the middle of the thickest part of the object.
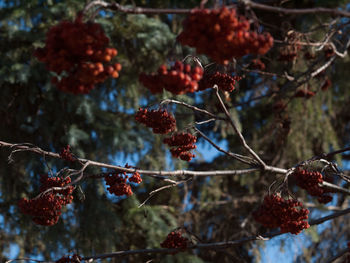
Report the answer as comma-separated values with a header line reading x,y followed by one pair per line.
x,y
166,101
176,173
141,10
234,126
238,157
215,245
134,10
293,11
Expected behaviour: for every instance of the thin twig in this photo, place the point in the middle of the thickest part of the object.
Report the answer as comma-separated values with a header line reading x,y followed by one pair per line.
x,y
192,108
340,254
238,157
28,259
331,154
234,126
281,10
134,10
161,189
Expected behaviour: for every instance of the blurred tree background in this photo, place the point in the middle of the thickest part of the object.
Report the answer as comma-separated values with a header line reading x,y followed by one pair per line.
x,y
100,126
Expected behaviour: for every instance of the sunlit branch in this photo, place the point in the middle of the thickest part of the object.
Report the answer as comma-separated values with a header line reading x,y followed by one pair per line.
x,y
335,187
175,173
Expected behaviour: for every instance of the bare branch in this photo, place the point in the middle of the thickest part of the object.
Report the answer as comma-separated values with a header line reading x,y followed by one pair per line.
x,y
162,188
340,254
281,10
133,10
28,259
216,245
162,173
234,126
140,10
238,157
335,187
331,154
166,101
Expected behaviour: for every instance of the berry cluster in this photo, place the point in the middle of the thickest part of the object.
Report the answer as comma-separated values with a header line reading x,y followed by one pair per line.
x,y
70,259
179,79
304,93
290,52
118,183
310,180
224,81
257,64
289,215
135,178
326,84
309,55
328,51
46,208
81,51
175,240
161,121
279,106
222,35
66,154
184,143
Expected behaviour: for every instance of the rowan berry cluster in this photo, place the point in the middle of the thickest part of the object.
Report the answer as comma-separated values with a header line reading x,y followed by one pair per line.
x,y
161,121
183,143
328,51
69,259
257,64
78,52
288,54
222,35
175,240
326,84
289,215
309,55
118,183
179,79
310,180
46,209
67,155
135,178
304,93
224,81
279,106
